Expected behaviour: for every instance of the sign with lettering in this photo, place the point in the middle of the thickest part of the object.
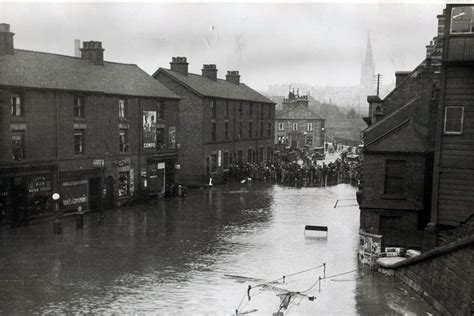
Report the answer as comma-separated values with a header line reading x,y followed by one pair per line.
x,y
149,131
75,194
98,163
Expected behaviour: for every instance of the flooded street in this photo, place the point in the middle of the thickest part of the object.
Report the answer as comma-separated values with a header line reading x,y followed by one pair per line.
x,y
198,255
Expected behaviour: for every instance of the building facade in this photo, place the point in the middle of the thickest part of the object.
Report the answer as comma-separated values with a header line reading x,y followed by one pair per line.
x,y
296,126
96,132
223,122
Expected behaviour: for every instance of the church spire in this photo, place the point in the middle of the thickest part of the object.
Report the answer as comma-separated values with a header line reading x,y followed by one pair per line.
x,y
368,68
368,52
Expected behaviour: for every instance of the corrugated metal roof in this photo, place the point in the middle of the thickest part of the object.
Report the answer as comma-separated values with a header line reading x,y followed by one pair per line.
x,y
218,89
51,71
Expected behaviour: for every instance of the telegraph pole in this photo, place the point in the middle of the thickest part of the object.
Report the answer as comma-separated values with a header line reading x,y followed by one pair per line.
x,y
378,79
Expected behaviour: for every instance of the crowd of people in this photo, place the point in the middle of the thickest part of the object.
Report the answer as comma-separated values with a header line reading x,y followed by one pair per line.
x,y
304,171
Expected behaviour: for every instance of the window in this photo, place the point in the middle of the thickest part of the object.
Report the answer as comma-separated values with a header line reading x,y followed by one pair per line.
x,y
18,145
281,126
124,183
123,140
160,113
269,131
250,110
226,130
269,111
260,156
213,109
261,111
226,113
250,129
453,119
309,140
462,20
214,132
160,138
395,177
122,109
79,141
261,129
295,126
249,155
213,162
241,128
240,110
239,156
226,160
269,153
309,127
78,106
16,105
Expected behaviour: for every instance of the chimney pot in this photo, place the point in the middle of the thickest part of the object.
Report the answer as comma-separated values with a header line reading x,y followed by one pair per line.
x,y
93,52
233,76
209,71
6,40
179,65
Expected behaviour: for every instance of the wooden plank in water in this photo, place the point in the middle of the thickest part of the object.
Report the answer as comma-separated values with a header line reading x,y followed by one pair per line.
x,y
317,228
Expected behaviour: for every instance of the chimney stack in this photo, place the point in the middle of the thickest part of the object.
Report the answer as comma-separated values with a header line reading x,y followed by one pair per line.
x,y
93,51
233,76
209,71
400,76
6,40
179,65
77,48
375,109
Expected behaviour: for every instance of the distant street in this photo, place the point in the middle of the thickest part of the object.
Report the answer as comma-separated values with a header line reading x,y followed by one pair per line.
x,y
198,255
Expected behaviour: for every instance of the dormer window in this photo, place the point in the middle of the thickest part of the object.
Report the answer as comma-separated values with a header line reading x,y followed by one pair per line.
x,y
16,105
462,20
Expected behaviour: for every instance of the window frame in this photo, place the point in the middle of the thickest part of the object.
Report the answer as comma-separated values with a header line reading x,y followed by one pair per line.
x,y
124,147
15,107
226,130
309,126
82,144
281,126
250,134
213,131
125,110
214,163
471,23
213,109
295,126
22,146
397,174
79,109
446,119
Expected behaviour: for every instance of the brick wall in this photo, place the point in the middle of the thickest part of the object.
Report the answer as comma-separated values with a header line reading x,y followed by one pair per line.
x,y
445,281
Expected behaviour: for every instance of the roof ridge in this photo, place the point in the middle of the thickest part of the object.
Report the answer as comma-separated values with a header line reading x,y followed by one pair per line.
x,y
370,128
398,126
72,57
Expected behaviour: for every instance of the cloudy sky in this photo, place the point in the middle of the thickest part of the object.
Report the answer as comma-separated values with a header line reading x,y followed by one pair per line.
x,y
315,43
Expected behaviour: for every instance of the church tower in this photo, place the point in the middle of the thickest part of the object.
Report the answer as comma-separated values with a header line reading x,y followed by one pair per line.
x,y
367,71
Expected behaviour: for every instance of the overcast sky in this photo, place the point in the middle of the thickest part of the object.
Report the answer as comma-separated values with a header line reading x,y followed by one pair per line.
x,y
315,43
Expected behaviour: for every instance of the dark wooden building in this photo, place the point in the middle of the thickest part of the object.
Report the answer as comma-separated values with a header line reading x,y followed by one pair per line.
x,y
73,125
453,178
223,122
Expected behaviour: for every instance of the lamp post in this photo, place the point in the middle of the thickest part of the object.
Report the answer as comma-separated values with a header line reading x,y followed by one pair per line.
x,y
57,224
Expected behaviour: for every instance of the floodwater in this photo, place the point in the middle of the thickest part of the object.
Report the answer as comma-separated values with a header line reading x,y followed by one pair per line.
x,y
198,255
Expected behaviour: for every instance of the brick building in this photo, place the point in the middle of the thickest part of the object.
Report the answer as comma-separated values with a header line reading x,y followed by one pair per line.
x,y
398,156
453,176
223,122
73,125
298,126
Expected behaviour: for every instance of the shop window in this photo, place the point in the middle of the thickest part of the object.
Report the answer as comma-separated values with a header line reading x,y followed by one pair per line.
x,y
123,109
295,126
226,160
214,132
79,141
260,156
269,153
254,154
453,119
226,130
213,162
18,145
124,184
281,126
269,130
309,127
160,138
462,20
16,105
309,140
78,106
239,157
160,110
250,129
213,109
395,177
123,141
249,155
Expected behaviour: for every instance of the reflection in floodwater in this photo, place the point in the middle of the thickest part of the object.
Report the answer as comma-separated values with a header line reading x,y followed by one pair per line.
x,y
199,255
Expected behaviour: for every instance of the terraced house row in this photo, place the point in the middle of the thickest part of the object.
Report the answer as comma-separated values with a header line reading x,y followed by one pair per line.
x,y
102,134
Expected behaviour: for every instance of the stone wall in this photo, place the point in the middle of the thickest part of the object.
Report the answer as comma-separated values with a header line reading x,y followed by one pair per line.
x,y
443,277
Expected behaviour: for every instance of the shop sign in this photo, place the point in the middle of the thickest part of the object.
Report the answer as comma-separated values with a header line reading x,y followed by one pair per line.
x,y
149,130
75,194
39,184
121,162
161,165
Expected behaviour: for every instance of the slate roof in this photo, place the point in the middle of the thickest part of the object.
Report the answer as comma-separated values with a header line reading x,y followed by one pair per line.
x,y
59,72
217,89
